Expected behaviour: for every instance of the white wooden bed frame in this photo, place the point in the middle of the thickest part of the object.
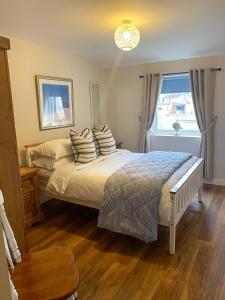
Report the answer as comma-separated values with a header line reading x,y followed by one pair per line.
x,y
181,195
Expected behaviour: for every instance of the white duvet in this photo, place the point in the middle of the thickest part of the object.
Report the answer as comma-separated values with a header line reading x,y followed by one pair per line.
x,y
86,182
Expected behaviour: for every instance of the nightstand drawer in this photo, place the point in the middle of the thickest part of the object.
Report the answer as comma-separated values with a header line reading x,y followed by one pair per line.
x,y
27,203
28,213
27,184
27,189
31,201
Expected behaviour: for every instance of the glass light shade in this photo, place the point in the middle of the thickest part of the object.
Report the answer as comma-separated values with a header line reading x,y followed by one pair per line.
x,y
127,36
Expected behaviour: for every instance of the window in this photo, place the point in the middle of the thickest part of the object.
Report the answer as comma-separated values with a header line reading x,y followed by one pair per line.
x,y
174,106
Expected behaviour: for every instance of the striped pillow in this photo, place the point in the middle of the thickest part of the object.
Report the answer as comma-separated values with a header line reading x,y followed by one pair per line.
x,y
105,140
83,146
96,144
75,152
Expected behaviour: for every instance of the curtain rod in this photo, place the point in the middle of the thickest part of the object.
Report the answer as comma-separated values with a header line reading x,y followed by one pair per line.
x,y
177,73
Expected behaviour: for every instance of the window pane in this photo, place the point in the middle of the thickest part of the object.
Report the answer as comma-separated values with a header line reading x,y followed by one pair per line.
x,y
175,105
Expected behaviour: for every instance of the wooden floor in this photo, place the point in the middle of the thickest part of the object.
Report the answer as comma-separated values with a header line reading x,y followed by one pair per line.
x,y
113,266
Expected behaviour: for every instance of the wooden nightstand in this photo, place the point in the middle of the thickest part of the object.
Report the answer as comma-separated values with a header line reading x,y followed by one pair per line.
x,y
119,145
31,200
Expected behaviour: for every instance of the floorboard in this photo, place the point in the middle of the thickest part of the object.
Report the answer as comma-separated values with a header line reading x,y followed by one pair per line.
x,y
113,266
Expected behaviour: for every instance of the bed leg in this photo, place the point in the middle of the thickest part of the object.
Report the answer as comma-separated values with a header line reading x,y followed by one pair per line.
x,y
172,238
200,194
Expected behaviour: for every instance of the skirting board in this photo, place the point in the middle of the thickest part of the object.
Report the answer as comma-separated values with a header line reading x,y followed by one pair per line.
x,y
216,181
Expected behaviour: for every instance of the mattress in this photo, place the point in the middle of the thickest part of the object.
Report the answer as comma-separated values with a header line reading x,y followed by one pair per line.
x,y
86,182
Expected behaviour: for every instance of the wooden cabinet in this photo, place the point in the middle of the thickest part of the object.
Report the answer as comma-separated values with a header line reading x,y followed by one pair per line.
x,y
31,200
9,163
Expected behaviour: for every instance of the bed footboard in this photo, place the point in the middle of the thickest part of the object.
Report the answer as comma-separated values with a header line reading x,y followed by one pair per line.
x,y
181,195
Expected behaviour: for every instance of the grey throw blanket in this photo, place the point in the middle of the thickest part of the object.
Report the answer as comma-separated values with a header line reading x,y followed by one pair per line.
x,y
132,194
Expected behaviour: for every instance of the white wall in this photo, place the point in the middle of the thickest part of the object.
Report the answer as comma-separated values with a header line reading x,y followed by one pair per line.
x,y
124,102
176,143
27,59
121,94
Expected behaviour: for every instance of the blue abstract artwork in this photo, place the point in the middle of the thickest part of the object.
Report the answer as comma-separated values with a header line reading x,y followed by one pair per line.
x,y
55,102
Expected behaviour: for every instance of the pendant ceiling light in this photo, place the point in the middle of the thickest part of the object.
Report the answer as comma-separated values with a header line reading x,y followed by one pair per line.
x,y
127,36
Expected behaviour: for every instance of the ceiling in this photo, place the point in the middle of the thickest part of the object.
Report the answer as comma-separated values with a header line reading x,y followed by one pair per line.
x,y
169,29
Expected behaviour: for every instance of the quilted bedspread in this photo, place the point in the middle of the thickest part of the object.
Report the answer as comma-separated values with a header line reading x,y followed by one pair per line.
x,y
132,194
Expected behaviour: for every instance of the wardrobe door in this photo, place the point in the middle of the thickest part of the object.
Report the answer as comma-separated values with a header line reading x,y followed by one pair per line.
x,y
9,164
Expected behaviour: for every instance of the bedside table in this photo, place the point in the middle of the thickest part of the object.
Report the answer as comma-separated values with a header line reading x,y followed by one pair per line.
x,y
119,145
30,192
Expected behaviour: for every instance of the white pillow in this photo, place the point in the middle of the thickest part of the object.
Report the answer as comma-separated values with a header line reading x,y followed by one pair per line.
x,y
52,164
54,148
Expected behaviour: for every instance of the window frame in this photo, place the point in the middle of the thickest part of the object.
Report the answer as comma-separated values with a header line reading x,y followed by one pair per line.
x,y
171,132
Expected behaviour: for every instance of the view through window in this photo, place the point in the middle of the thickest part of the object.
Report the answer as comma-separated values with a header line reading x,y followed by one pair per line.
x,y
175,111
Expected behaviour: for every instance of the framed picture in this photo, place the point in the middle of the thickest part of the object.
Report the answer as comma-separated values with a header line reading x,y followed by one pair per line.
x,y
55,102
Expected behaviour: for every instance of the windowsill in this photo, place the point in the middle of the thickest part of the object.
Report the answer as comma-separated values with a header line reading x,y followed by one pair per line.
x,y
175,136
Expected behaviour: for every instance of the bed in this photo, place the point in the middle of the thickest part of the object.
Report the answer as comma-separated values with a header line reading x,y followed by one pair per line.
x,y
84,185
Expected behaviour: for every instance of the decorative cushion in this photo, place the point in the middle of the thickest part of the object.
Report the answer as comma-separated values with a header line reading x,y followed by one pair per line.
x,y
105,140
97,148
83,146
54,149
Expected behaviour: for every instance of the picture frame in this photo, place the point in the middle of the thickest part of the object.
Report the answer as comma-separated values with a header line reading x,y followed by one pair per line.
x,y
55,102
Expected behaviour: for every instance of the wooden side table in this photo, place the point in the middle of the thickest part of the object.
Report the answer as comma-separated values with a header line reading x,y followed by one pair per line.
x,y
119,145
30,192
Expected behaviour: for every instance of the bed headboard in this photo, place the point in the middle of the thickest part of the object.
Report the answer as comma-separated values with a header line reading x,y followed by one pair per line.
x,y
29,149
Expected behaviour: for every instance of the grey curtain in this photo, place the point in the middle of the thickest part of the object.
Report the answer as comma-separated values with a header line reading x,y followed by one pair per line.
x,y
203,90
151,92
